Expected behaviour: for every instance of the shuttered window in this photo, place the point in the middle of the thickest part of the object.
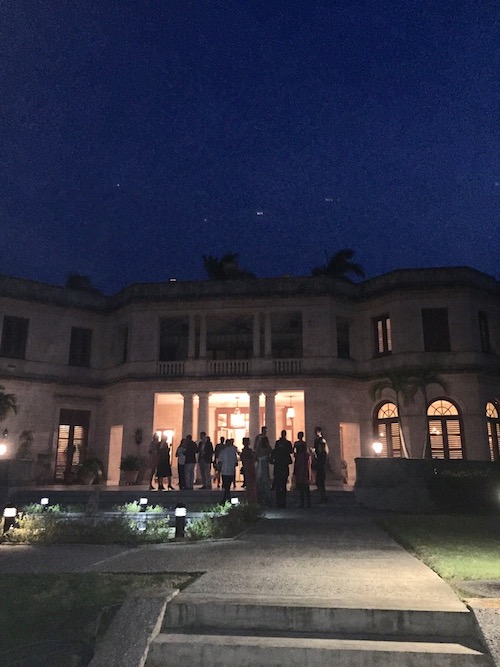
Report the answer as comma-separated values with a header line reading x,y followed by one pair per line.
x,y
445,431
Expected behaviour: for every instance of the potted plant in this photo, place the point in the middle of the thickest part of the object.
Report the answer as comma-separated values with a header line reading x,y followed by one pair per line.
x,y
89,471
130,466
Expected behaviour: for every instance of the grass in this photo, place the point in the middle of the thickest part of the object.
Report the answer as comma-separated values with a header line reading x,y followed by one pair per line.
x,y
53,617
461,547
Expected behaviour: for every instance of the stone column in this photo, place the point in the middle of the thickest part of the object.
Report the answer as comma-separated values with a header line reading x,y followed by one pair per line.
x,y
203,337
267,336
256,335
203,412
187,415
254,416
271,416
192,336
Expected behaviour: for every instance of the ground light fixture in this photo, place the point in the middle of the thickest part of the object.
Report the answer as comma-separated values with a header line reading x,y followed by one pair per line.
x,y
180,521
235,502
44,502
9,517
377,448
143,503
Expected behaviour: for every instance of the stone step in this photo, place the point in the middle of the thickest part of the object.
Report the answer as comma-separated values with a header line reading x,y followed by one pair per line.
x,y
288,614
221,650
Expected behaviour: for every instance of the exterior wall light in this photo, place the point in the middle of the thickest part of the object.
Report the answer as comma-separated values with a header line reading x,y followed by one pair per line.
x,y
180,521
9,517
377,448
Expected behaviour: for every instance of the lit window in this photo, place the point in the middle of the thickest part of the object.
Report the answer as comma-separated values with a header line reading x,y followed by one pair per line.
x,y
386,430
493,426
444,430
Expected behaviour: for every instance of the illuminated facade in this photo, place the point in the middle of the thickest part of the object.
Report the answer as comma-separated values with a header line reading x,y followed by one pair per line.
x,y
98,375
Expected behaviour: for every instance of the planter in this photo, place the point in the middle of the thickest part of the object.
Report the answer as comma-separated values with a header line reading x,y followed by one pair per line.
x,y
129,477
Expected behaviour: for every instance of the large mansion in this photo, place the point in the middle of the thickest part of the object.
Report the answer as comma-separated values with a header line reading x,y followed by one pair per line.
x,y
97,375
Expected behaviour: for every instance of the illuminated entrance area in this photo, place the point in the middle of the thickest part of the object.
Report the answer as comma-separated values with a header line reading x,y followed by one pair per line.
x,y
235,414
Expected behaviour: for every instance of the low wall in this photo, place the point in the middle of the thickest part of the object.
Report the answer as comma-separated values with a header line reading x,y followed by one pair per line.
x,y
427,485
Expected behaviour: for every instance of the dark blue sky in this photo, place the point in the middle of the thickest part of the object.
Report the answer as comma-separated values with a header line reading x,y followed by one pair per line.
x,y
137,136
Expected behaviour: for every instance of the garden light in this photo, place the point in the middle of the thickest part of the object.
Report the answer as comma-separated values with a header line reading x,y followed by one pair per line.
x,y
9,517
180,521
143,503
44,502
235,502
377,448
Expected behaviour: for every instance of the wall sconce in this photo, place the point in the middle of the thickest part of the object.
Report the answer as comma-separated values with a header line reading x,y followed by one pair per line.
x,y
5,433
290,411
377,448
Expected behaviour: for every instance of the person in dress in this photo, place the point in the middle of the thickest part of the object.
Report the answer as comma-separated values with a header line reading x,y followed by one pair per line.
x,y
281,459
302,470
263,454
248,458
164,469
320,459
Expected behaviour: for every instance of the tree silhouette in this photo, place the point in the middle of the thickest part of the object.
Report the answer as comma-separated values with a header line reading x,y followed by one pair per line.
x,y
225,268
339,265
405,383
76,281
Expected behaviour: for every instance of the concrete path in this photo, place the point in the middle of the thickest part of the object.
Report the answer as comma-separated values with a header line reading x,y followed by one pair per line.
x,y
332,557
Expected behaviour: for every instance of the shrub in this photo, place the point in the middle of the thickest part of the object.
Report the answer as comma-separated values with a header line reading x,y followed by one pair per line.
x,y
131,462
226,521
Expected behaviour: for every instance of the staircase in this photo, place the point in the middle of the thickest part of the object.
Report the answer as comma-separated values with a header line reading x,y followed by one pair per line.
x,y
206,631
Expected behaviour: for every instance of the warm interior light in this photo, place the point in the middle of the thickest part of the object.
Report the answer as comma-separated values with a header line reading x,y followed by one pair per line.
x,y
3,449
168,434
377,448
290,411
237,418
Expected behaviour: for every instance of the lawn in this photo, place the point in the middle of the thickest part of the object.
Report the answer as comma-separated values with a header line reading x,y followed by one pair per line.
x,y
461,547
52,619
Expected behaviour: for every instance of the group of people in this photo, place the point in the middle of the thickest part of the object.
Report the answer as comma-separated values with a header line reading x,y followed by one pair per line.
x,y
219,464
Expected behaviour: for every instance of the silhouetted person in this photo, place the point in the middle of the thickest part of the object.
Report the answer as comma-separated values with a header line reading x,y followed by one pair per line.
x,y
320,457
302,470
281,459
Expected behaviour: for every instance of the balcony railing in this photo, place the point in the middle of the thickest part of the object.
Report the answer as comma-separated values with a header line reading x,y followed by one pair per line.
x,y
229,367
287,366
171,368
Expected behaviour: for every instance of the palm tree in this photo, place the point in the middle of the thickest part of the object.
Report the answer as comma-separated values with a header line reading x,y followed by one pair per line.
x,y
422,378
405,383
400,382
8,402
76,281
339,265
225,268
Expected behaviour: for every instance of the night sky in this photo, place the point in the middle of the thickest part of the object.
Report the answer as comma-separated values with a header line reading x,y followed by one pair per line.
x,y
136,136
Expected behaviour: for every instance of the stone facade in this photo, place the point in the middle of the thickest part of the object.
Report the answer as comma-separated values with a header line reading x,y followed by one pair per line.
x,y
188,356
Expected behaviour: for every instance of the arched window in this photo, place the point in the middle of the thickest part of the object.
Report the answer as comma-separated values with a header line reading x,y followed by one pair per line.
x,y
445,432
386,430
493,424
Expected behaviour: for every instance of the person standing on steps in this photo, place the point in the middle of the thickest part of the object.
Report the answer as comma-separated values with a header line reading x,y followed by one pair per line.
x,y
153,451
320,459
191,450
205,456
302,470
164,466
281,458
228,460
247,458
181,462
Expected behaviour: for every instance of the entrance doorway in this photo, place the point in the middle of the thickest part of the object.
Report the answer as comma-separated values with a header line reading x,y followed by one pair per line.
x,y
72,438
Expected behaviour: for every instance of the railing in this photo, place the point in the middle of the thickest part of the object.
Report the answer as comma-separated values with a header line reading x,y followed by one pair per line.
x,y
287,366
229,367
171,368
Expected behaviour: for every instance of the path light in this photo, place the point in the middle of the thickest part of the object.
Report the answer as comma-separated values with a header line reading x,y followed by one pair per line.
x,y
235,502
180,521
9,517
44,502
143,503
377,448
